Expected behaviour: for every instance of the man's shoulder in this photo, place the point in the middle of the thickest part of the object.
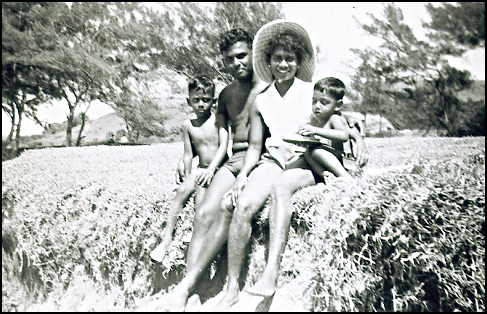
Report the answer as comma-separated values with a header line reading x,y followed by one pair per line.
x,y
231,86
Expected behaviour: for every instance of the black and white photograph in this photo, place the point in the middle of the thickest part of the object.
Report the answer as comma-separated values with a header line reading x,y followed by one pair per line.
x,y
243,157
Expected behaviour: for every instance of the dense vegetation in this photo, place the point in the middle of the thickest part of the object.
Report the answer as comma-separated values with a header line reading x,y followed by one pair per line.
x,y
84,53
78,224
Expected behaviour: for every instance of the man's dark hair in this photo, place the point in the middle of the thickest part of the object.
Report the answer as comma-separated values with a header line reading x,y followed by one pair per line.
x,y
234,35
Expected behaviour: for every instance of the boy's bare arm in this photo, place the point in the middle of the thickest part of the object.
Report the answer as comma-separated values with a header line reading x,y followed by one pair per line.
x,y
206,176
362,152
188,151
338,131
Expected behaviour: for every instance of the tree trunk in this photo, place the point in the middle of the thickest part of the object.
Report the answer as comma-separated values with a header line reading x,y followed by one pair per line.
x,y
20,111
80,133
69,128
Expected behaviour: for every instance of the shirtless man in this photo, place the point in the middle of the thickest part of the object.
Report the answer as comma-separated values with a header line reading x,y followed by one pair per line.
x,y
234,103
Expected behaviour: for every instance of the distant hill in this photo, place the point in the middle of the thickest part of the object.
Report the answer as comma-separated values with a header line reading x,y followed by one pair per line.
x,y
94,131
475,92
169,88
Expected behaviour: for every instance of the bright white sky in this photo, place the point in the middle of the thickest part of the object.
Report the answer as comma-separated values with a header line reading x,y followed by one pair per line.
x,y
332,27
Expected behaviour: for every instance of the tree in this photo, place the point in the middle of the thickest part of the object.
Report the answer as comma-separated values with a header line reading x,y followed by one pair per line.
x,y
415,75
461,22
182,37
194,38
142,115
25,84
75,50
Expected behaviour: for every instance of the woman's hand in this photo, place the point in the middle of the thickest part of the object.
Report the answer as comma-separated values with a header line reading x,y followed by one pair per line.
x,y
238,186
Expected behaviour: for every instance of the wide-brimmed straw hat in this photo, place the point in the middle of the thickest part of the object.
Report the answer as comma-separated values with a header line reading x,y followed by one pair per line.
x,y
270,30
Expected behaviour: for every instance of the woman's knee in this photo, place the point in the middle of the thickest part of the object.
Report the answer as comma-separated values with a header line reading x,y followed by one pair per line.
x,y
226,204
245,210
282,187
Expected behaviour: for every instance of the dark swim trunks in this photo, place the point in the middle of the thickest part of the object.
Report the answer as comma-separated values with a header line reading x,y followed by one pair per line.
x,y
235,163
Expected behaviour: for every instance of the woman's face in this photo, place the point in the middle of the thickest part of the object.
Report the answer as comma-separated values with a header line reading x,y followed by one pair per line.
x,y
284,64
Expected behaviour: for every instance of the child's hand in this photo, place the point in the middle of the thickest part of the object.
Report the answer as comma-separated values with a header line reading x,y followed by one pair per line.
x,y
204,177
362,158
307,130
180,173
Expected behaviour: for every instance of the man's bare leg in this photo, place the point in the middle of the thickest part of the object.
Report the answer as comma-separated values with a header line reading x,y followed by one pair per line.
x,y
216,239
206,213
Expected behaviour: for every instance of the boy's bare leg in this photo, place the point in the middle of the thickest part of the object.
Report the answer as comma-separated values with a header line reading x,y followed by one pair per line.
x,y
252,198
329,161
279,223
183,193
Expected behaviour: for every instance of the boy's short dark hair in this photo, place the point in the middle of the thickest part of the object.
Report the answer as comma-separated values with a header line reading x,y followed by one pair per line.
x,y
201,82
232,36
332,86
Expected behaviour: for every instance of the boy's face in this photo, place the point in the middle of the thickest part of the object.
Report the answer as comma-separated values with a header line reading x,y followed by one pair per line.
x,y
284,64
323,105
201,102
238,60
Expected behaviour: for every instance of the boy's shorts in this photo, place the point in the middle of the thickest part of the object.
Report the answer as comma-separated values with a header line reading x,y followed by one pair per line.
x,y
306,166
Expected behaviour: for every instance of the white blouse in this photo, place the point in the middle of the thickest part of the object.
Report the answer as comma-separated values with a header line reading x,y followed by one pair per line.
x,y
284,115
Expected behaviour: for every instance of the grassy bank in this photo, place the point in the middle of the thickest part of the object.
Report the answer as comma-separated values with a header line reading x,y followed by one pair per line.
x,y
78,224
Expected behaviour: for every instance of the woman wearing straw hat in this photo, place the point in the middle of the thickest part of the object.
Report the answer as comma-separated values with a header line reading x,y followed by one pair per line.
x,y
283,56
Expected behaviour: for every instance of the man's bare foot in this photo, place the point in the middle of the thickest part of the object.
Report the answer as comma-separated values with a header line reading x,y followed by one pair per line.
x,y
193,304
262,288
158,253
177,300
226,302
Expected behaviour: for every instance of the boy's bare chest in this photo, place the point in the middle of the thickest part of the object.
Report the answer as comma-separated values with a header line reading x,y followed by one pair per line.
x,y
206,131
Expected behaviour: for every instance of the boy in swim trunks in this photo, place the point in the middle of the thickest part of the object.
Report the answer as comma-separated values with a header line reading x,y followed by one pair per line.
x,y
205,137
327,125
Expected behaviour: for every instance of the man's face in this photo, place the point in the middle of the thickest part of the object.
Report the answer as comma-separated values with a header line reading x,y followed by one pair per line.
x,y
238,60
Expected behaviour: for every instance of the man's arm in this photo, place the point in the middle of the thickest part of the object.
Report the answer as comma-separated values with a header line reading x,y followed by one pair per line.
x,y
252,156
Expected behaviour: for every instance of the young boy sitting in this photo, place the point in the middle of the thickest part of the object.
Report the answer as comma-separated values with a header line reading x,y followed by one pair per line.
x,y
205,137
327,128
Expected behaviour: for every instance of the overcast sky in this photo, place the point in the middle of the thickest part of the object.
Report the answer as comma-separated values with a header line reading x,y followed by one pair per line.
x,y
332,27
